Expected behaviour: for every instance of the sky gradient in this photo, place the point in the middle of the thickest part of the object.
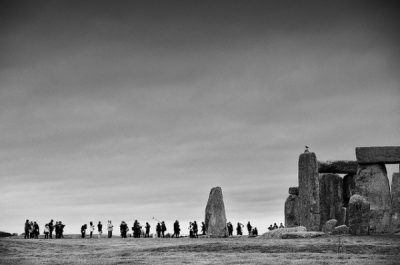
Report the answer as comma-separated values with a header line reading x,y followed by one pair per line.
x,y
128,110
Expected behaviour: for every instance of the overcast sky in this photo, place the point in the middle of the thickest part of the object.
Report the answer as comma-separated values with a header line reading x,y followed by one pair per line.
x,y
128,110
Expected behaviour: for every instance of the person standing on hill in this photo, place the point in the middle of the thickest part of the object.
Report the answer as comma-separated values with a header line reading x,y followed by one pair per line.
x,y
51,228
124,229
239,229
147,230
91,229
249,228
163,228
100,229
158,230
46,231
27,228
177,229
203,228
109,228
195,229
230,229
83,230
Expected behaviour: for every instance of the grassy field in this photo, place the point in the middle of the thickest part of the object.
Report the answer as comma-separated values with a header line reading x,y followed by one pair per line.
x,y
237,250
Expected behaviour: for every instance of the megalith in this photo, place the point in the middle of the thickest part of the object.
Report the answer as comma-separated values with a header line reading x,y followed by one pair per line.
x,y
395,224
359,209
349,187
291,211
331,198
372,182
215,218
309,201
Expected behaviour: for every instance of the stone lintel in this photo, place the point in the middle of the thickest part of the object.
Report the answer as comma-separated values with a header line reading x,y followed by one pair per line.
x,y
378,154
338,167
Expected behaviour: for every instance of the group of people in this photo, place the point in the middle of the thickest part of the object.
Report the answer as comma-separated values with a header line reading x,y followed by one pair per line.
x,y
275,226
84,227
32,230
252,231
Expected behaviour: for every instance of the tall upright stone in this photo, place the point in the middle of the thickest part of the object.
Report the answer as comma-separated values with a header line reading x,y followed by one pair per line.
x,y
372,183
331,198
309,201
291,211
215,218
359,215
349,187
395,191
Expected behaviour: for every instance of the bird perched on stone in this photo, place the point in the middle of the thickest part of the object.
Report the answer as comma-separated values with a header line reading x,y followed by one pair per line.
x,y
306,151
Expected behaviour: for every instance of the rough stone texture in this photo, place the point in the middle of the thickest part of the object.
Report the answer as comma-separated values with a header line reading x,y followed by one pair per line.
x,y
215,218
378,154
329,226
349,187
338,167
294,190
359,215
340,230
372,183
291,211
344,216
307,234
331,198
277,233
395,224
309,211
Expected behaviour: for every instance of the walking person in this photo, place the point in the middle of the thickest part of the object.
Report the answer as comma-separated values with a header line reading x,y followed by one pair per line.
x,y
177,229
51,228
147,230
195,230
46,231
239,229
27,228
100,229
91,229
163,228
249,228
158,230
109,228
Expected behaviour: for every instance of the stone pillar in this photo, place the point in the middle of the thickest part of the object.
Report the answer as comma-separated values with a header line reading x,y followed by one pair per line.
x,y
358,215
215,218
309,204
331,198
372,183
395,224
349,187
291,211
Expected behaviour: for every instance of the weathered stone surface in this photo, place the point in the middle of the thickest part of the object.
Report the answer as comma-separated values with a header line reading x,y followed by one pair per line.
x,y
331,198
291,211
378,154
307,234
349,187
359,215
215,218
277,233
372,183
294,190
309,205
340,230
338,167
395,191
329,226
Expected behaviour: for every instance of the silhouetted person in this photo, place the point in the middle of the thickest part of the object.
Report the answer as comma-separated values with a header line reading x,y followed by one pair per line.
x,y
136,229
163,228
83,230
61,230
177,229
203,228
195,230
147,227
91,229
109,228
51,228
100,229
230,229
249,228
281,226
124,229
270,228
275,226
46,231
239,229
27,227
255,231
158,230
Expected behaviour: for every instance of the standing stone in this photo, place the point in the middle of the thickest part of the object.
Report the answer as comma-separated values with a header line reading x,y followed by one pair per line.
x,y
372,183
349,187
291,211
395,202
309,206
331,198
359,215
215,219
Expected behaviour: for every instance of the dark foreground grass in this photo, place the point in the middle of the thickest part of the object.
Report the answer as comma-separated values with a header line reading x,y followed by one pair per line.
x,y
243,250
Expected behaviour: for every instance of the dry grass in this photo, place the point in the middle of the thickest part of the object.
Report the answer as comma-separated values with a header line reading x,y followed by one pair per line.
x,y
354,250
